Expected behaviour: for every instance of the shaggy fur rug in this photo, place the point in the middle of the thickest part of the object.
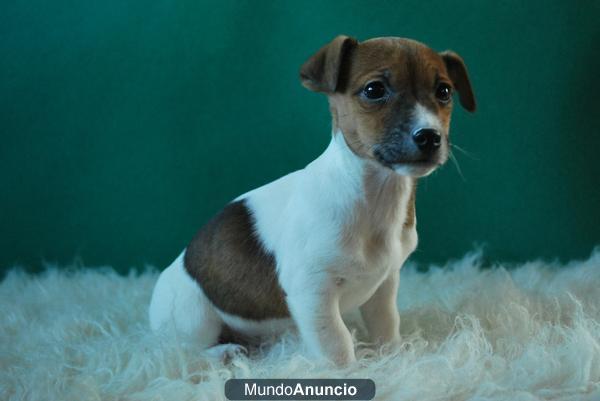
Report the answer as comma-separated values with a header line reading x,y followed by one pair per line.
x,y
530,332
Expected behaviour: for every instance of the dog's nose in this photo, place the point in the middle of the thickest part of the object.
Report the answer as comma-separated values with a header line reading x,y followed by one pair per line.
x,y
427,139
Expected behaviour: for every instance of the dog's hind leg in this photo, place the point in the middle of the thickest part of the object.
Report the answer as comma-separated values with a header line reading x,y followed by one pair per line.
x,y
178,302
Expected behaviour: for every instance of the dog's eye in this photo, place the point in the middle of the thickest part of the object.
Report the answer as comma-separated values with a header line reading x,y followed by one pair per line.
x,y
375,90
443,93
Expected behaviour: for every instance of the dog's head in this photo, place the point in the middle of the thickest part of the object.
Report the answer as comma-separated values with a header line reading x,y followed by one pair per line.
x,y
391,98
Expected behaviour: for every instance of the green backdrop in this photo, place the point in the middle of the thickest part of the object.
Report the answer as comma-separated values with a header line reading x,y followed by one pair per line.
x,y
126,124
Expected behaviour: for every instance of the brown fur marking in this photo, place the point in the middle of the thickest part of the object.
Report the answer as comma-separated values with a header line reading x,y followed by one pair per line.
x,y
410,207
321,72
458,73
237,275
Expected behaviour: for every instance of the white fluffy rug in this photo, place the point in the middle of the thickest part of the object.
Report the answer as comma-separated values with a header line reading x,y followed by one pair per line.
x,y
528,333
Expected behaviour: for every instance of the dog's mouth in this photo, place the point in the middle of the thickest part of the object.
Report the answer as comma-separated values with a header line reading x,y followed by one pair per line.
x,y
415,164
415,168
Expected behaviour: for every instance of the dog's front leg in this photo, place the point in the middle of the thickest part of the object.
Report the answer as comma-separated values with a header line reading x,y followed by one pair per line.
x,y
380,312
321,327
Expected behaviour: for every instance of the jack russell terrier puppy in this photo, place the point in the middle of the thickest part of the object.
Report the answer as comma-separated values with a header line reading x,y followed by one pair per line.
x,y
304,249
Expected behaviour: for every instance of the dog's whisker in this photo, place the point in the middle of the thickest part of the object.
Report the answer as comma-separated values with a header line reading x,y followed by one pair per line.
x,y
464,152
455,161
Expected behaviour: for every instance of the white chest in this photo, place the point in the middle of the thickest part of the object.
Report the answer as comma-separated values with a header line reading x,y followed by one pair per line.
x,y
359,277
339,220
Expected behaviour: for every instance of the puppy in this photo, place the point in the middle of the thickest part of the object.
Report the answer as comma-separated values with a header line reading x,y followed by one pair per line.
x,y
304,249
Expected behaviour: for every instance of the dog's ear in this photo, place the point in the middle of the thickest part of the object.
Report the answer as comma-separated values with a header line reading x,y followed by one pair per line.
x,y
458,74
321,72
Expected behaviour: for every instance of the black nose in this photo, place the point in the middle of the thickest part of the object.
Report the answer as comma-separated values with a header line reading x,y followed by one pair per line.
x,y
427,139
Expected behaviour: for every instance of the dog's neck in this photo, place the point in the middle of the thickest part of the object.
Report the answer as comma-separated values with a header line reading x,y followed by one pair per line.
x,y
377,198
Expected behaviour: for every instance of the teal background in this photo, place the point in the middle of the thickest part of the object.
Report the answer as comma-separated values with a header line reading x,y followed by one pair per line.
x,y
126,124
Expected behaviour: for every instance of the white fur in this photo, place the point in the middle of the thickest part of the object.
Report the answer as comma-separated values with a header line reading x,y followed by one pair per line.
x,y
253,328
299,218
528,333
425,118
178,302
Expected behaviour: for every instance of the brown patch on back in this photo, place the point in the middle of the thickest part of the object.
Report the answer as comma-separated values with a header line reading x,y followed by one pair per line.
x,y
374,217
235,272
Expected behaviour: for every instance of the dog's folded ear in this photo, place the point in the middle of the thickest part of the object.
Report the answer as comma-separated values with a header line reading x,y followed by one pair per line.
x,y
321,72
458,74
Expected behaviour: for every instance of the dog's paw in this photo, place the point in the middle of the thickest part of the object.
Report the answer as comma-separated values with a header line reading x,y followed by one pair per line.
x,y
226,352
391,346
